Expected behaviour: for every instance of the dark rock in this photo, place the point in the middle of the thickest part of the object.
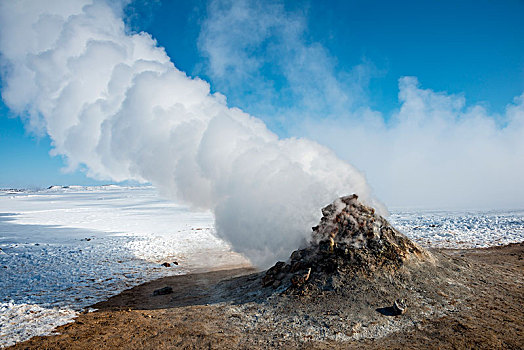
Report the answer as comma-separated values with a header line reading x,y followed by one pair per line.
x,y
163,291
349,199
166,264
324,246
285,269
268,280
272,273
280,276
299,279
175,262
399,306
297,267
276,268
296,255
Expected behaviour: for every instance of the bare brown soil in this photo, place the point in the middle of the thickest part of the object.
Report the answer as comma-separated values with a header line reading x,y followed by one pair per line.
x,y
476,303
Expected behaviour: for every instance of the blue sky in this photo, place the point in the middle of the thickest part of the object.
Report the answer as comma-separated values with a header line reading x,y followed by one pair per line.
x,y
471,47
468,49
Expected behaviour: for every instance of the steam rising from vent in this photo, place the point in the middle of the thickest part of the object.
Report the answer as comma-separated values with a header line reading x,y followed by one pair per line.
x,y
115,103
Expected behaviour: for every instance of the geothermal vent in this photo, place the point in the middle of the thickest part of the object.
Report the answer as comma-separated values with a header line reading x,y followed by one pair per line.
x,y
350,241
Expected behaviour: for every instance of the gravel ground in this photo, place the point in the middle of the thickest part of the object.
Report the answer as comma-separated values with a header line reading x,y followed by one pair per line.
x,y
467,299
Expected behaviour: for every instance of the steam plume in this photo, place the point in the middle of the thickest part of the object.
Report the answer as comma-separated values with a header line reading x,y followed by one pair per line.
x,y
436,150
114,102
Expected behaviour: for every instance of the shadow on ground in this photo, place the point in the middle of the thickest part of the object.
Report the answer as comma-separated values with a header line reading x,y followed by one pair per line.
x,y
201,288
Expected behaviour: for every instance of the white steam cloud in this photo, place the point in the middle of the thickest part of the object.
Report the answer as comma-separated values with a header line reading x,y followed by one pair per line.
x,y
113,102
434,151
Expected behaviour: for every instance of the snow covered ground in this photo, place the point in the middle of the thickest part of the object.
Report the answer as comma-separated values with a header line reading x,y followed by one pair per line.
x,y
63,249
460,228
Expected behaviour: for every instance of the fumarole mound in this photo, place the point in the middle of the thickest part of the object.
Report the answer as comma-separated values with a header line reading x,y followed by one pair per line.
x,y
351,241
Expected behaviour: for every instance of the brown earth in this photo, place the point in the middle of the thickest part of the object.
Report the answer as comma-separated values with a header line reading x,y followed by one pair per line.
x,y
469,299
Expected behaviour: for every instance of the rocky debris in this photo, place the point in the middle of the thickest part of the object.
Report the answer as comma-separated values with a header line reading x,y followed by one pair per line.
x,y
163,291
350,240
399,307
275,274
299,279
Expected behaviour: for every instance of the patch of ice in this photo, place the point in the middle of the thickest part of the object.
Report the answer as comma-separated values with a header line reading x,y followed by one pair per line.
x,y
460,229
19,322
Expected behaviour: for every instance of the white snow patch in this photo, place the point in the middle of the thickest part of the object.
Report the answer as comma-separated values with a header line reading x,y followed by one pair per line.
x,y
460,229
19,322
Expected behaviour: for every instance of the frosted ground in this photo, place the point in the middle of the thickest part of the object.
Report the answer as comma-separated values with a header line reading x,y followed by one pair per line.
x,y
63,249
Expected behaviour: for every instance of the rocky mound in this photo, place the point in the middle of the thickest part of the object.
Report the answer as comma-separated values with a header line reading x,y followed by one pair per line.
x,y
351,240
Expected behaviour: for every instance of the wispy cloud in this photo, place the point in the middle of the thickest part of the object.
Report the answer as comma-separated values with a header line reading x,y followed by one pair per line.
x,y
261,52
434,151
